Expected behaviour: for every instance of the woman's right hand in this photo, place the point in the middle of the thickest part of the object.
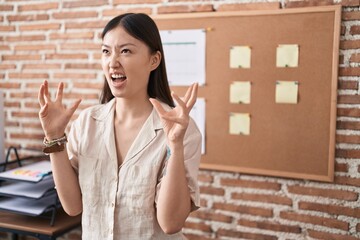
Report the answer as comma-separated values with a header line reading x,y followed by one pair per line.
x,y
54,116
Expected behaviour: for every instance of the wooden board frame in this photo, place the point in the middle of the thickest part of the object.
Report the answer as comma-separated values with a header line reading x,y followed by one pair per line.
x,y
292,141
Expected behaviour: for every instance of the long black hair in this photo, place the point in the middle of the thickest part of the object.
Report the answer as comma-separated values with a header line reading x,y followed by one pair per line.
x,y
143,28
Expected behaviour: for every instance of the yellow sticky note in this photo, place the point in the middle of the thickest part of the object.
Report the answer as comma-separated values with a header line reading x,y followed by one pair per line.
x,y
287,55
286,92
240,57
240,92
239,123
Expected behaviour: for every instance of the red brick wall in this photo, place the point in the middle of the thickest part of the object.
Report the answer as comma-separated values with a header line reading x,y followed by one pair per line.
x,y
59,41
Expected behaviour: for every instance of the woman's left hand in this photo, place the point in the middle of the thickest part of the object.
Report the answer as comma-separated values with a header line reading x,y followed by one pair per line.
x,y
176,120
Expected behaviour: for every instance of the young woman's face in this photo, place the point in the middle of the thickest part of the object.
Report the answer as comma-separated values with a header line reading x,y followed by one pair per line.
x,y
127,63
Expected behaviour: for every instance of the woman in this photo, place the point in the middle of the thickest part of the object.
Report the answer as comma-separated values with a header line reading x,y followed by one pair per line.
x,y
131,162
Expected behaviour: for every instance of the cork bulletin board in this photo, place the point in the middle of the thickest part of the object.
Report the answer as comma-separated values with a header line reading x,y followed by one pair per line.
x,y
285,140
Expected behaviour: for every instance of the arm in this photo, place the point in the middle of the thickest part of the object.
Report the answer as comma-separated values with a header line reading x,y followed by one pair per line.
x,y
54,118
174,202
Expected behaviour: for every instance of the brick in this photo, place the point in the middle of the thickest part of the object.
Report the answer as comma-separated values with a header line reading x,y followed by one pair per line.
x,y
348,139
78,4
323,192
81,46
347,181
257,211
7,28
4,48
196,237
348,16
67,15
37,7
347,153
41,66
38,47
28,75
66,56
349,71
89,66
351,85
75,75
81,96
243,235
206,178
12,104
349,44
342,31
358,227
348,112
30,17
308,3
25,114
6,8
329,236
341,167
7,85
25,38
88,85
322,221
185,8
250,184
262,198
355,58
350,3
348,125
26,136
212,191
86,25
32,125
209,215
21,57
11,124
349,99
7,66
72,35
270,226
37,27
198,226
331,209
355,30
116,12
248,6
32,104
116,2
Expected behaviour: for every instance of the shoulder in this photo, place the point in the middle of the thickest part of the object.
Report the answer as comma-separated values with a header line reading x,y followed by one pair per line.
x,y
96,112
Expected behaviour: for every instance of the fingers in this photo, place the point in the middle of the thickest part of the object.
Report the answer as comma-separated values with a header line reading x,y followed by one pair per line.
x,y
46,91
157,105
178,100
41,96
73,108
59,93
193,96
187,94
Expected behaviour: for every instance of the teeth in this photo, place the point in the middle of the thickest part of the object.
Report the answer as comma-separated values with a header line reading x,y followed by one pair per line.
x,y
117,76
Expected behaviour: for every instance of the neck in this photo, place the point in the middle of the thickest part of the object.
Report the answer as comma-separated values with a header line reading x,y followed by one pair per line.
x,y
129,110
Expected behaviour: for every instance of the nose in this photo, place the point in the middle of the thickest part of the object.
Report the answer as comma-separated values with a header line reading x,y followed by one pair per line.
x,y
114,61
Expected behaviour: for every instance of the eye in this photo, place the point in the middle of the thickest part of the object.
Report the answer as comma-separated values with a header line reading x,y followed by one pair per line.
x,y
105,51
125,51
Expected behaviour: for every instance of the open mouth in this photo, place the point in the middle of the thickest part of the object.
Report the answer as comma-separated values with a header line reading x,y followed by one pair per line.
x,y
118,77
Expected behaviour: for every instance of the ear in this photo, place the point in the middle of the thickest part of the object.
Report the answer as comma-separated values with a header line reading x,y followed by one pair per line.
x,y
155,60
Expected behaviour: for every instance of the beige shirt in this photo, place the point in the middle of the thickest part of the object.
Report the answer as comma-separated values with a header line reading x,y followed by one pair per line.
x,y
120,202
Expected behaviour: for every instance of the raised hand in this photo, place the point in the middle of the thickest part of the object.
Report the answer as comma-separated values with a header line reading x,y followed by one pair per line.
x,y
176,120
54,116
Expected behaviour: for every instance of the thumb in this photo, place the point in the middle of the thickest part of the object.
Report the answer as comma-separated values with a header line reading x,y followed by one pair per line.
x,y
43,111
73,108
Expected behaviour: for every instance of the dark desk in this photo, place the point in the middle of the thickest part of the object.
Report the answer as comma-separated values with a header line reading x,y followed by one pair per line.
x,y
37,226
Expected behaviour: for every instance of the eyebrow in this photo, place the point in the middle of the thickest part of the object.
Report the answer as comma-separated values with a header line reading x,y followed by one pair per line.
x,y
119,46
